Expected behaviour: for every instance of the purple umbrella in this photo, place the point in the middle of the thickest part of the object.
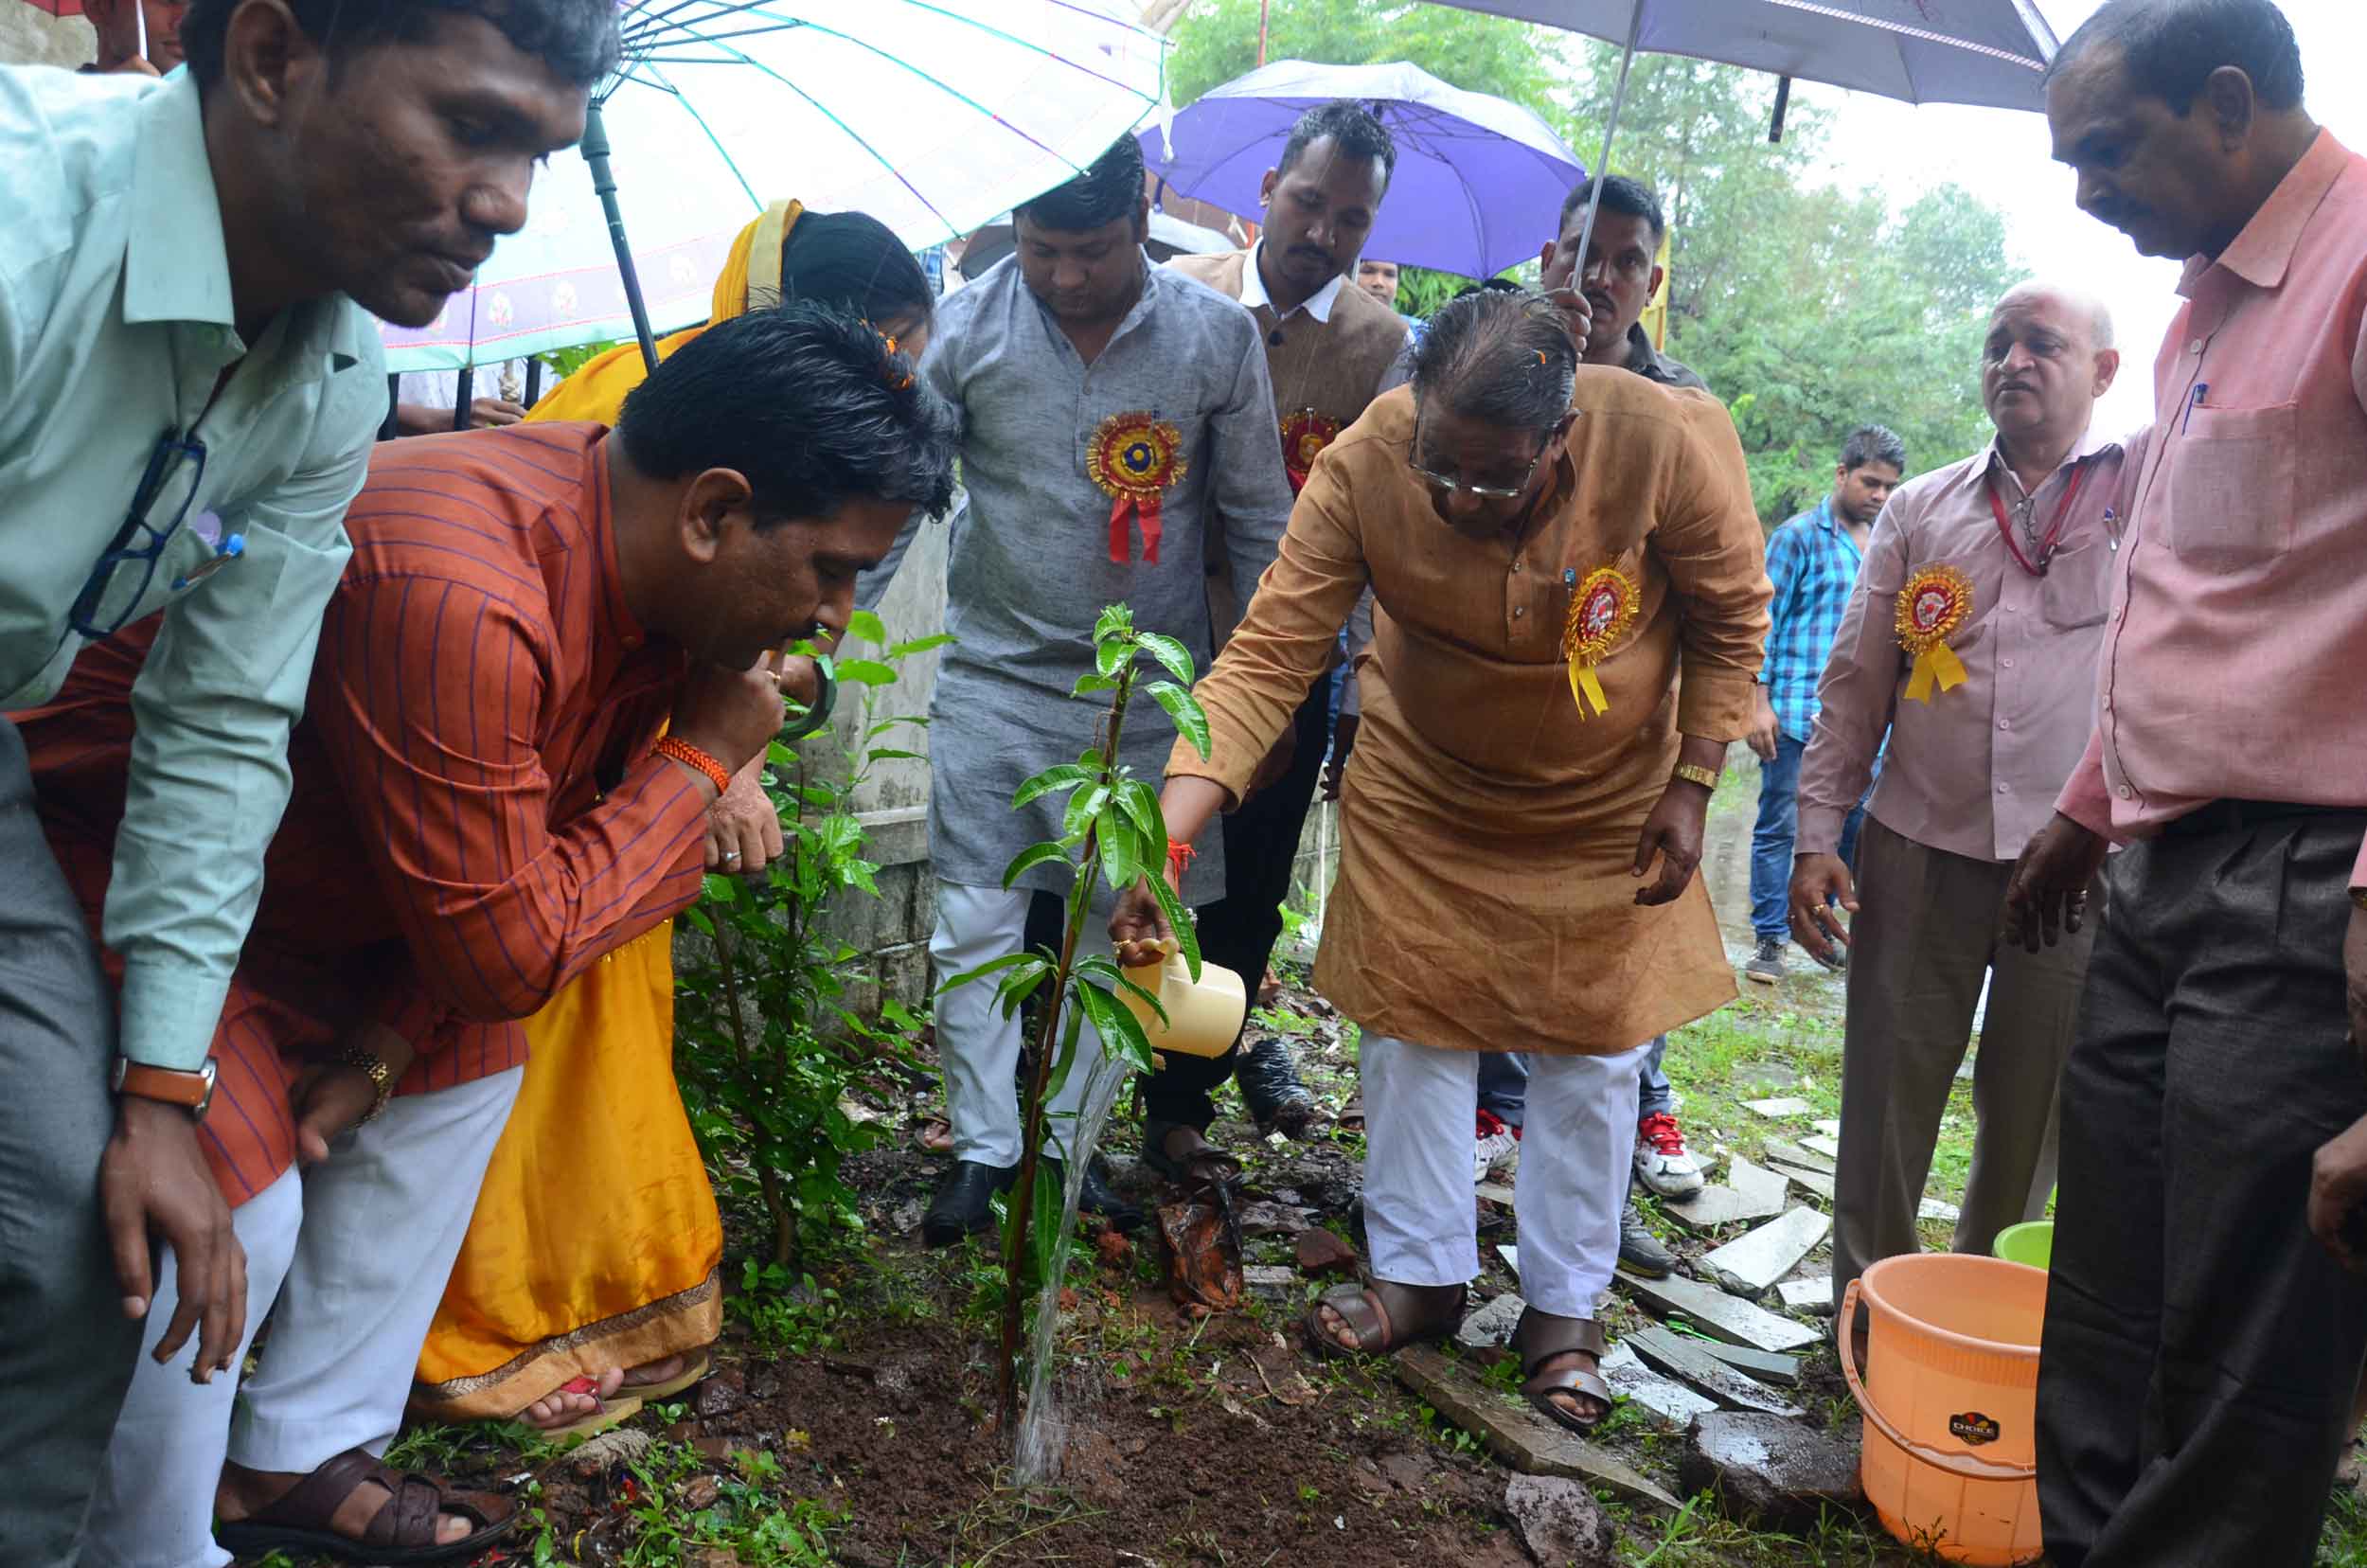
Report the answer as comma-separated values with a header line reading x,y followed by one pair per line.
x,y
1474,173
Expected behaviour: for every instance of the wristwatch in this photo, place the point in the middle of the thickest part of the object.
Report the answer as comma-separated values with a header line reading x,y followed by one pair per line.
x,y
193,1091
373,1066
1693,773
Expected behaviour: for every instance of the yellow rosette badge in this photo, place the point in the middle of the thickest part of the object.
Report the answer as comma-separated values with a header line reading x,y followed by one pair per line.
x,y
1601,611
1133,458
1935,602
1305,435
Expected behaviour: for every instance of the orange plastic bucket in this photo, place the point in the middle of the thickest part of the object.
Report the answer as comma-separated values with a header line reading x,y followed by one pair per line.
x,y
1951,1401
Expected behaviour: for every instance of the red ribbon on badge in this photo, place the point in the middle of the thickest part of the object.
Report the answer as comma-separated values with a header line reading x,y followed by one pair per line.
x,y
1134,458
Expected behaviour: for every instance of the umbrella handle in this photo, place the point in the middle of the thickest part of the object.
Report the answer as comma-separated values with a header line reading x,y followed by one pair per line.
x,y
594,146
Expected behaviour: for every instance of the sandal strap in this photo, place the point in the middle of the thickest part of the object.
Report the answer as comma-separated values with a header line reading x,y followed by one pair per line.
x,y
409,1517
1540,1336
1361,1308
313,1500
1569,1379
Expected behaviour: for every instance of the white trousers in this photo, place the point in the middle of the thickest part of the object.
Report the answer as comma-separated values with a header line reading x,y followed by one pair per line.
x,y
354,1251
1575,1148
977,1047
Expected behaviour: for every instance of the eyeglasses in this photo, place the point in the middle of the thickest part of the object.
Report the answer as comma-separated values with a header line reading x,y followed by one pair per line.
x,y
1445,485
140,540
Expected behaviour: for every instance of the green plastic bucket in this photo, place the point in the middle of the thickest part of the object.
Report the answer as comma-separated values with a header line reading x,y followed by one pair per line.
x,y
2031,1242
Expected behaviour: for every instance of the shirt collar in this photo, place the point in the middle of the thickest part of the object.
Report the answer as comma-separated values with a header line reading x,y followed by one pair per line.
x,y
2264,249
2092,443
1253,294
176,265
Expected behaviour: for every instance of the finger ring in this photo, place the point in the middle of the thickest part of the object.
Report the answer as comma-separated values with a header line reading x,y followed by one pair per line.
x,y
731,854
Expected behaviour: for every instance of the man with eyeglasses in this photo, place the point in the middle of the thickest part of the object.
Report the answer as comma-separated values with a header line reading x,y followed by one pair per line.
x,y
190,384
1550,548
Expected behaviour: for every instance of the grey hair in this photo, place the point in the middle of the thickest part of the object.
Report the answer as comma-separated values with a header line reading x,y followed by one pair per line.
x,y
1502,356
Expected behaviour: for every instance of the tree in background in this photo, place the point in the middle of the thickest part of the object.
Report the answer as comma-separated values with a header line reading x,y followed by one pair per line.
x,y
1810,308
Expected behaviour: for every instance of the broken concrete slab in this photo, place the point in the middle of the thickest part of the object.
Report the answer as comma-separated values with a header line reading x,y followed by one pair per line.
x,y
1830,1127
1809,1295
1490,1328
1513,1433
1827,1144
1511,1254
1663,1397
1750,1192
1763,1077
1749,1265
1792,1153
1818,1183
1932,1208
1495,1192
1272,1281
1775,1110
1716,1314
1685,1359
1765,1365
1769,1473
1559,1522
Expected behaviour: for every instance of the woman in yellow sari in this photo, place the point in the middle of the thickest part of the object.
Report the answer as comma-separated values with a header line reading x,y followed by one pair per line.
x,y
589,1281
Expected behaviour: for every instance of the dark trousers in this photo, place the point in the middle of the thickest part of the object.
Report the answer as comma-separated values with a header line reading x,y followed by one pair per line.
x,y
1239,931
2202,1348
65,1346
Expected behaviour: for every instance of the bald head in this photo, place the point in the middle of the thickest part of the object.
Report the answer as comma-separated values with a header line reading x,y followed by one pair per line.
x,y
2047,358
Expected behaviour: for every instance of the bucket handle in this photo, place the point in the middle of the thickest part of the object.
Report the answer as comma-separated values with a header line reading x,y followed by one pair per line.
x,y
1963,1465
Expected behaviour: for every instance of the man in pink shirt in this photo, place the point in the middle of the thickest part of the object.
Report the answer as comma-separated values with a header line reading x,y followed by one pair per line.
x,y
2014,545
2202,1348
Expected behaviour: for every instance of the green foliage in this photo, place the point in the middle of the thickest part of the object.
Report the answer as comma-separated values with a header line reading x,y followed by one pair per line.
x,y
766,1044
1218,41
564,363
737,1518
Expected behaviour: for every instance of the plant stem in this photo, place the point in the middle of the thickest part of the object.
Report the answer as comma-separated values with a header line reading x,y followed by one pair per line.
x,y
768,1180
1022,1211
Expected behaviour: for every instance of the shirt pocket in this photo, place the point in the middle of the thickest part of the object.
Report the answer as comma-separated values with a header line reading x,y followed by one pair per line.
x,y
2231,498
2076,589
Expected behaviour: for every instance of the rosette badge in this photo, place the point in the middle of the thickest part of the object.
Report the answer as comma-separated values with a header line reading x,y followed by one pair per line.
x,y
1305,435
1601,609
1932,605
1134,459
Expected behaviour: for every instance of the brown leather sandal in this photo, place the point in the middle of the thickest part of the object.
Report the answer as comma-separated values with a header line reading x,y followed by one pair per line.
x,y
1539,1338
400,1534
1385,1317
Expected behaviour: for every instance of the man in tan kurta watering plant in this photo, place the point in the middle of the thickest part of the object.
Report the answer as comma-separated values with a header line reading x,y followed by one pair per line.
x,y
1549,547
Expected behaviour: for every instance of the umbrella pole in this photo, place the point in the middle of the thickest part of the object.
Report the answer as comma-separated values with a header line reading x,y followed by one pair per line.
x,y
604,185
1610,129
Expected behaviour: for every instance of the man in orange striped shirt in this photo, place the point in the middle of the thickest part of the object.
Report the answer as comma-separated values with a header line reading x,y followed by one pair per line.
x,y
481,808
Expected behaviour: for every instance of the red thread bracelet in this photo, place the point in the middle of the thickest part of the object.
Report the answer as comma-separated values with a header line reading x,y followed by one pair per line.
x,y
1179,856
692,757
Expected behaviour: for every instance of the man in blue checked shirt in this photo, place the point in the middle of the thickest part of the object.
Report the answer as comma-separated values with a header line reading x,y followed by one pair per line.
x,y
1812,561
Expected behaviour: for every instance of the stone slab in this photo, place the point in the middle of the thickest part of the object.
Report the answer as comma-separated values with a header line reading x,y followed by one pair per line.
x,y
1749,1192
1825,1144
1513,1433
1716,1314
1511,1254
1765,1365
1558,1519
1932,1208
1663,1397
1490,1328
1684,1359
1775,1110
1749,1265
1792,1153
1815,1183
1814,1295
1830,1127
1769,1472
1495,1192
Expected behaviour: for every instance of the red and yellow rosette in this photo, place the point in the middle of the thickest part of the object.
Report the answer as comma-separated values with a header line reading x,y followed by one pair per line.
x,y
1601,609
1133,458
1934,603
1305,435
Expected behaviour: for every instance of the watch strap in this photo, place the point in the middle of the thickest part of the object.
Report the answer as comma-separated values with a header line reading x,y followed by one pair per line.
x,y
191,1090
1694,772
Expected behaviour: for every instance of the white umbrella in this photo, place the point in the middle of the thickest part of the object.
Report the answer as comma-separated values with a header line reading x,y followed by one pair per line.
x,y
931,116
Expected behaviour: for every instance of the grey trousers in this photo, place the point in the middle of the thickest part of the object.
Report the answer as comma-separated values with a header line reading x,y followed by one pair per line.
x,y
1926,934
65,1346
2202,1348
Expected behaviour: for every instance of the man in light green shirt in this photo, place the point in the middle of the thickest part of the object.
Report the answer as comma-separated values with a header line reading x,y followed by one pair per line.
x,y
190,386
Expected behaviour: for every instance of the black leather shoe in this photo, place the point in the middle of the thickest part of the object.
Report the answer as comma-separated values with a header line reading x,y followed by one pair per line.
x,y
1278,1102
961,1206
1640,1251
1098,1197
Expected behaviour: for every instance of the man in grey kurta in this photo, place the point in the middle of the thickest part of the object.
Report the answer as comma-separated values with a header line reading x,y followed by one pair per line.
x,y
1076,340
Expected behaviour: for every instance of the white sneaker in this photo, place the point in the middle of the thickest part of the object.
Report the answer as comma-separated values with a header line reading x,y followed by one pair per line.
x,y
1493,1146
1661,1161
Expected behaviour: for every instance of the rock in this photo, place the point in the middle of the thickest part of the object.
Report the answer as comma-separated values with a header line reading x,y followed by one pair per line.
x,y
1769,1473
1775,1110
1322,1252
1750,1264
1827,1144
1407,1471
1559,1522
1274,1283
701,1491
1932,1208
901,1378
617,1446
1663,1397
1765,1365
1809,1295
1515,1434
1715,1312
1750,1192
1792,1155
718,1396
1689,1360
905,1218
1495,1192
1490,1328
1263,1219
1817,1183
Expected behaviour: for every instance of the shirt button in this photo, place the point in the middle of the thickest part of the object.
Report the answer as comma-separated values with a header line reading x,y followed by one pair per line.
x,y
1515,564
1520,609
2005,788
2122,791
2196,346
2007,663
2004,723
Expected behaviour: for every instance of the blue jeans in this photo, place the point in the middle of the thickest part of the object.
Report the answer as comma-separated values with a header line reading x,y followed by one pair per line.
x,y
1503,1084
1778,826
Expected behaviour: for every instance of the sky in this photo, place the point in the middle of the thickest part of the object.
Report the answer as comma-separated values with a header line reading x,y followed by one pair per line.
x,y
2001,156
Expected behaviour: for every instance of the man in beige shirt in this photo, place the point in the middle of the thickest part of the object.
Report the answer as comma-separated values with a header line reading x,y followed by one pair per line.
x,y
2009,553
1519,825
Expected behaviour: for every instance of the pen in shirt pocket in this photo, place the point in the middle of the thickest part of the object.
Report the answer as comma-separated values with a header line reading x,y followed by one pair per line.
x,y
2201,390
227,548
